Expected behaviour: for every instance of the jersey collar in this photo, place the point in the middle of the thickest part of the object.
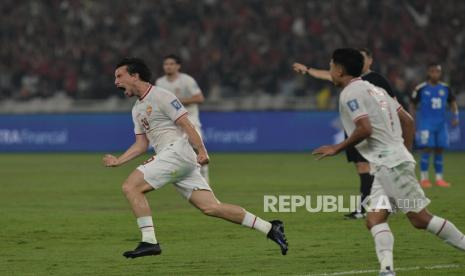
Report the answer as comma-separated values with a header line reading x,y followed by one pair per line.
x,y
354,79
145,93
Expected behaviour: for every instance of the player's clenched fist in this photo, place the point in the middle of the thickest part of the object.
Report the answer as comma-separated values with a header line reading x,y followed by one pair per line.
x,y
202,158
110,161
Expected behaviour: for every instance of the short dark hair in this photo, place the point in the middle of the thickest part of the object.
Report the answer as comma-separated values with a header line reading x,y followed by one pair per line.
x,y
174,57
349,58
434,64
136,65
366,51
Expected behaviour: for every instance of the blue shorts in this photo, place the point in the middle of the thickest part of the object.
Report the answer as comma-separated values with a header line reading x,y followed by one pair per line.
x,y
432,136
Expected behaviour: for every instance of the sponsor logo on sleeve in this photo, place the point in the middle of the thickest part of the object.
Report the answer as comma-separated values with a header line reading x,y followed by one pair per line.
x,y
353,105
176,104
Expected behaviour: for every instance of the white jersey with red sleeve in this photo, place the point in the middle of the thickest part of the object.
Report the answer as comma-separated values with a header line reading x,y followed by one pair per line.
x,y
155,114
184,86
360,99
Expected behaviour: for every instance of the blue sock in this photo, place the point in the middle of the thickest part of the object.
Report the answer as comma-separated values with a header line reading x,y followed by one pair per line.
x,y
424,163
438,163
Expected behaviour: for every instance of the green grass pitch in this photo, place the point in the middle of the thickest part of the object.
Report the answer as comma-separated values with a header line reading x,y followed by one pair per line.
x,y
64,214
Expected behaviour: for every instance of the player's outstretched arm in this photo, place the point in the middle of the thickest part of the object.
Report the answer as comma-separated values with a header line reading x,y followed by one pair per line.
x,y
195,99
316,73
194,139
408,128
362,131
139,147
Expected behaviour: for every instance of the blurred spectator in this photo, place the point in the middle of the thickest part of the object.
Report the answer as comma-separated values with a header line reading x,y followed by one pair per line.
x,y
233,47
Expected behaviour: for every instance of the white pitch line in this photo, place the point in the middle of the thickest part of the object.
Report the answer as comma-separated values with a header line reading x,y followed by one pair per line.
x,y
354,272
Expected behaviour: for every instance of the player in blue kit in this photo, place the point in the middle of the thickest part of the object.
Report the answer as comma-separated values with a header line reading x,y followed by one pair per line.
x,y
433,97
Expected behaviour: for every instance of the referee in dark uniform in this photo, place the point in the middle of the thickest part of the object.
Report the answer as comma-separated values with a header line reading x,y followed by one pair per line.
x,y
361,164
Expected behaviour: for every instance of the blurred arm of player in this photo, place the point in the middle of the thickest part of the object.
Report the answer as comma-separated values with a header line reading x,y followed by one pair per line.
x,y
412,108
408,128
362,131
316,73
195,99
194,138
139,147
196,96
455,113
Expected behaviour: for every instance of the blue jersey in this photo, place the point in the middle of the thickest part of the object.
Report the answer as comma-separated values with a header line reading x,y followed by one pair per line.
x,y
433,100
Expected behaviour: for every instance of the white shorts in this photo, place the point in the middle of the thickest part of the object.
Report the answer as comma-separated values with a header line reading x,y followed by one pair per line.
x,y
397,189
176,164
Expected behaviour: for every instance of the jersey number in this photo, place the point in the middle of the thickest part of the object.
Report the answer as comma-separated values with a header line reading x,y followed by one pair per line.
x,y
145,123
436,103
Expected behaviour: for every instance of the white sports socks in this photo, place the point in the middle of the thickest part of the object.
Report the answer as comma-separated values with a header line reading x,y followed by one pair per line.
x,y
384,244
446,231
146,227
255,222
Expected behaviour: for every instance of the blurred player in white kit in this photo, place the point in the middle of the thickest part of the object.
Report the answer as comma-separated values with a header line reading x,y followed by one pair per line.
x,y
187,91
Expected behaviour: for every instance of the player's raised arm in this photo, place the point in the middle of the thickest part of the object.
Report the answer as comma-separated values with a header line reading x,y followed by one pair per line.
x,y
316,73
194,139
139,147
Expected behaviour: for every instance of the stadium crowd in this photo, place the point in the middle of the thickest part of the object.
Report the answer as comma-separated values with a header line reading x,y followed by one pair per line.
x,y
232,47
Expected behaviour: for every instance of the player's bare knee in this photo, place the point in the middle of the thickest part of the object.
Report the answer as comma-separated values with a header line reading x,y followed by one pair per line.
x,y
374,220
127,187
362,167
370,223
418,222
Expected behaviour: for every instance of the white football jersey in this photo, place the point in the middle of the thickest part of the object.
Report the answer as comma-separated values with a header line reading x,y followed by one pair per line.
x,y
385,146
155,114
184,86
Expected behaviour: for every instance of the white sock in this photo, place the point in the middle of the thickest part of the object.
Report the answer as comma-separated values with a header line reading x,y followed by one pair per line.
x,y
424,175
255,222
146,227
384,244
447,231
438,176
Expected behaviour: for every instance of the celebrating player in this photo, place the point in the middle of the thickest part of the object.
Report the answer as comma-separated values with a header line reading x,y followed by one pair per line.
x,y
361,164
432,96
161,120
187,91
372,120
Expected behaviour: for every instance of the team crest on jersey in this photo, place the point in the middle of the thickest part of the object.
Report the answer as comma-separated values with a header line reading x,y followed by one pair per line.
x,y
427,93
176,104
149,110
353,105
442,92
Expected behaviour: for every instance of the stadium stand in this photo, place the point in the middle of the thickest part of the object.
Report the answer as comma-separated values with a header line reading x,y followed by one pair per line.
x,y
60,55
